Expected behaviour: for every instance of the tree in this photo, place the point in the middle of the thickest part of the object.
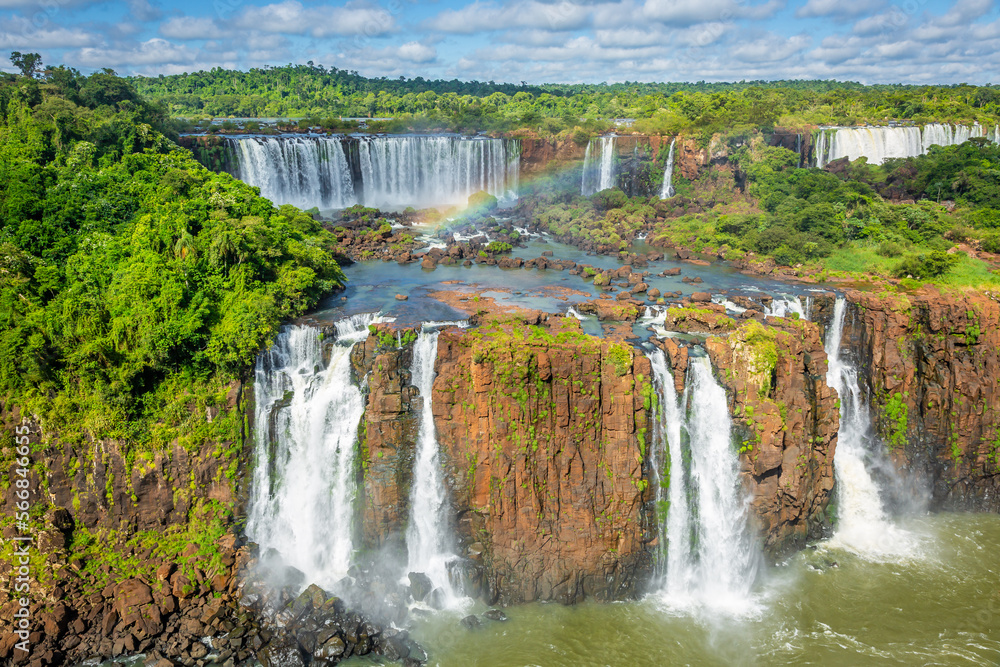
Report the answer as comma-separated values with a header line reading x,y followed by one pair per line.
x,y
28,63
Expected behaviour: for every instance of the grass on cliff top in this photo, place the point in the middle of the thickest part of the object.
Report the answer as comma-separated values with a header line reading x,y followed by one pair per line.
x,y
863,263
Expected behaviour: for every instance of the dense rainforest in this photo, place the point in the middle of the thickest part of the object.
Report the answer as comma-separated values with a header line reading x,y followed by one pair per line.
x,y
324,96
134,283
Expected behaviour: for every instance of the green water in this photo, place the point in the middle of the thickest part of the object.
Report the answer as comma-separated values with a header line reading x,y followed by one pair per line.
x,y
939,606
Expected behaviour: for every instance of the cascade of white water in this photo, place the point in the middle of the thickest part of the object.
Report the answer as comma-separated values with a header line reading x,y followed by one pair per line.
x,y
875,143
394,171
785,306
427,536
398,171
862,523
711,557
727,556
667,191
880,143
599,172
306,420
606,175
670,490
302,171
821,148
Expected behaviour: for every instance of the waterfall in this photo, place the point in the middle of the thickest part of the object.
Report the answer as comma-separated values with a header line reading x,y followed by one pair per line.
x,y
301,171
670,485
607,172
881,143
602,175
385,172
426,171
668,174
306,426
862,523
821,149
711,558
785,306
427,535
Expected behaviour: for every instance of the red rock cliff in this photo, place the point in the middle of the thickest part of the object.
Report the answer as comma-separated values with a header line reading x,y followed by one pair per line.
x,y
932,365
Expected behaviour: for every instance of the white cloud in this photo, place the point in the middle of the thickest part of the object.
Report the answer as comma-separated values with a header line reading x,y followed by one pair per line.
x,y
415,52
21,34
191,27
155,51
292,18
690,12
838,8
770,49
530,14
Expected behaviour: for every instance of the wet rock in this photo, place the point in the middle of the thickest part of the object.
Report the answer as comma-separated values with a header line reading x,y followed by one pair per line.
x,y
282,652
401,297
671,272
701,297
471,622
331,649
428,263
495,615
436,599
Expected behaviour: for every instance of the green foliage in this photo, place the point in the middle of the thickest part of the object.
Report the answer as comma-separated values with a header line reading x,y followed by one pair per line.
x,y
897,413
320,95
620,356
931,265
134,283
498,247
482,202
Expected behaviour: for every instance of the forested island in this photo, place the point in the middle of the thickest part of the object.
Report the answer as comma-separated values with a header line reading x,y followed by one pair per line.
x,y
310,365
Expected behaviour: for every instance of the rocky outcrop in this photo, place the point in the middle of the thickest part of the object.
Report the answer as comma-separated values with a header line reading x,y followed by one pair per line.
x,y
787,419
389,436
542,432
114,582
543,435
931,363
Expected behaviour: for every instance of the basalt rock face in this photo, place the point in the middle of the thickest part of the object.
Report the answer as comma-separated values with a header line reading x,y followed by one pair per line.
x,y
389,437
787,419
931,364
109,589
542,433
538,154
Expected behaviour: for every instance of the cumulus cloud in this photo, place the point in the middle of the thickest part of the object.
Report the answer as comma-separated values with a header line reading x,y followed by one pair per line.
x,y
293,18
154,51
838,8
190,27
485,16
690,12
769,49
531,40
20,33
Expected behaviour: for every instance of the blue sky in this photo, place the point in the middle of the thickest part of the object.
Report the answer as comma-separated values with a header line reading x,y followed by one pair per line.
x,y
910,41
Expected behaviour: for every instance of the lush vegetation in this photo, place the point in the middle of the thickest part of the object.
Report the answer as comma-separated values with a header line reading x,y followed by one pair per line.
x,y
323,96
134,283
899,219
